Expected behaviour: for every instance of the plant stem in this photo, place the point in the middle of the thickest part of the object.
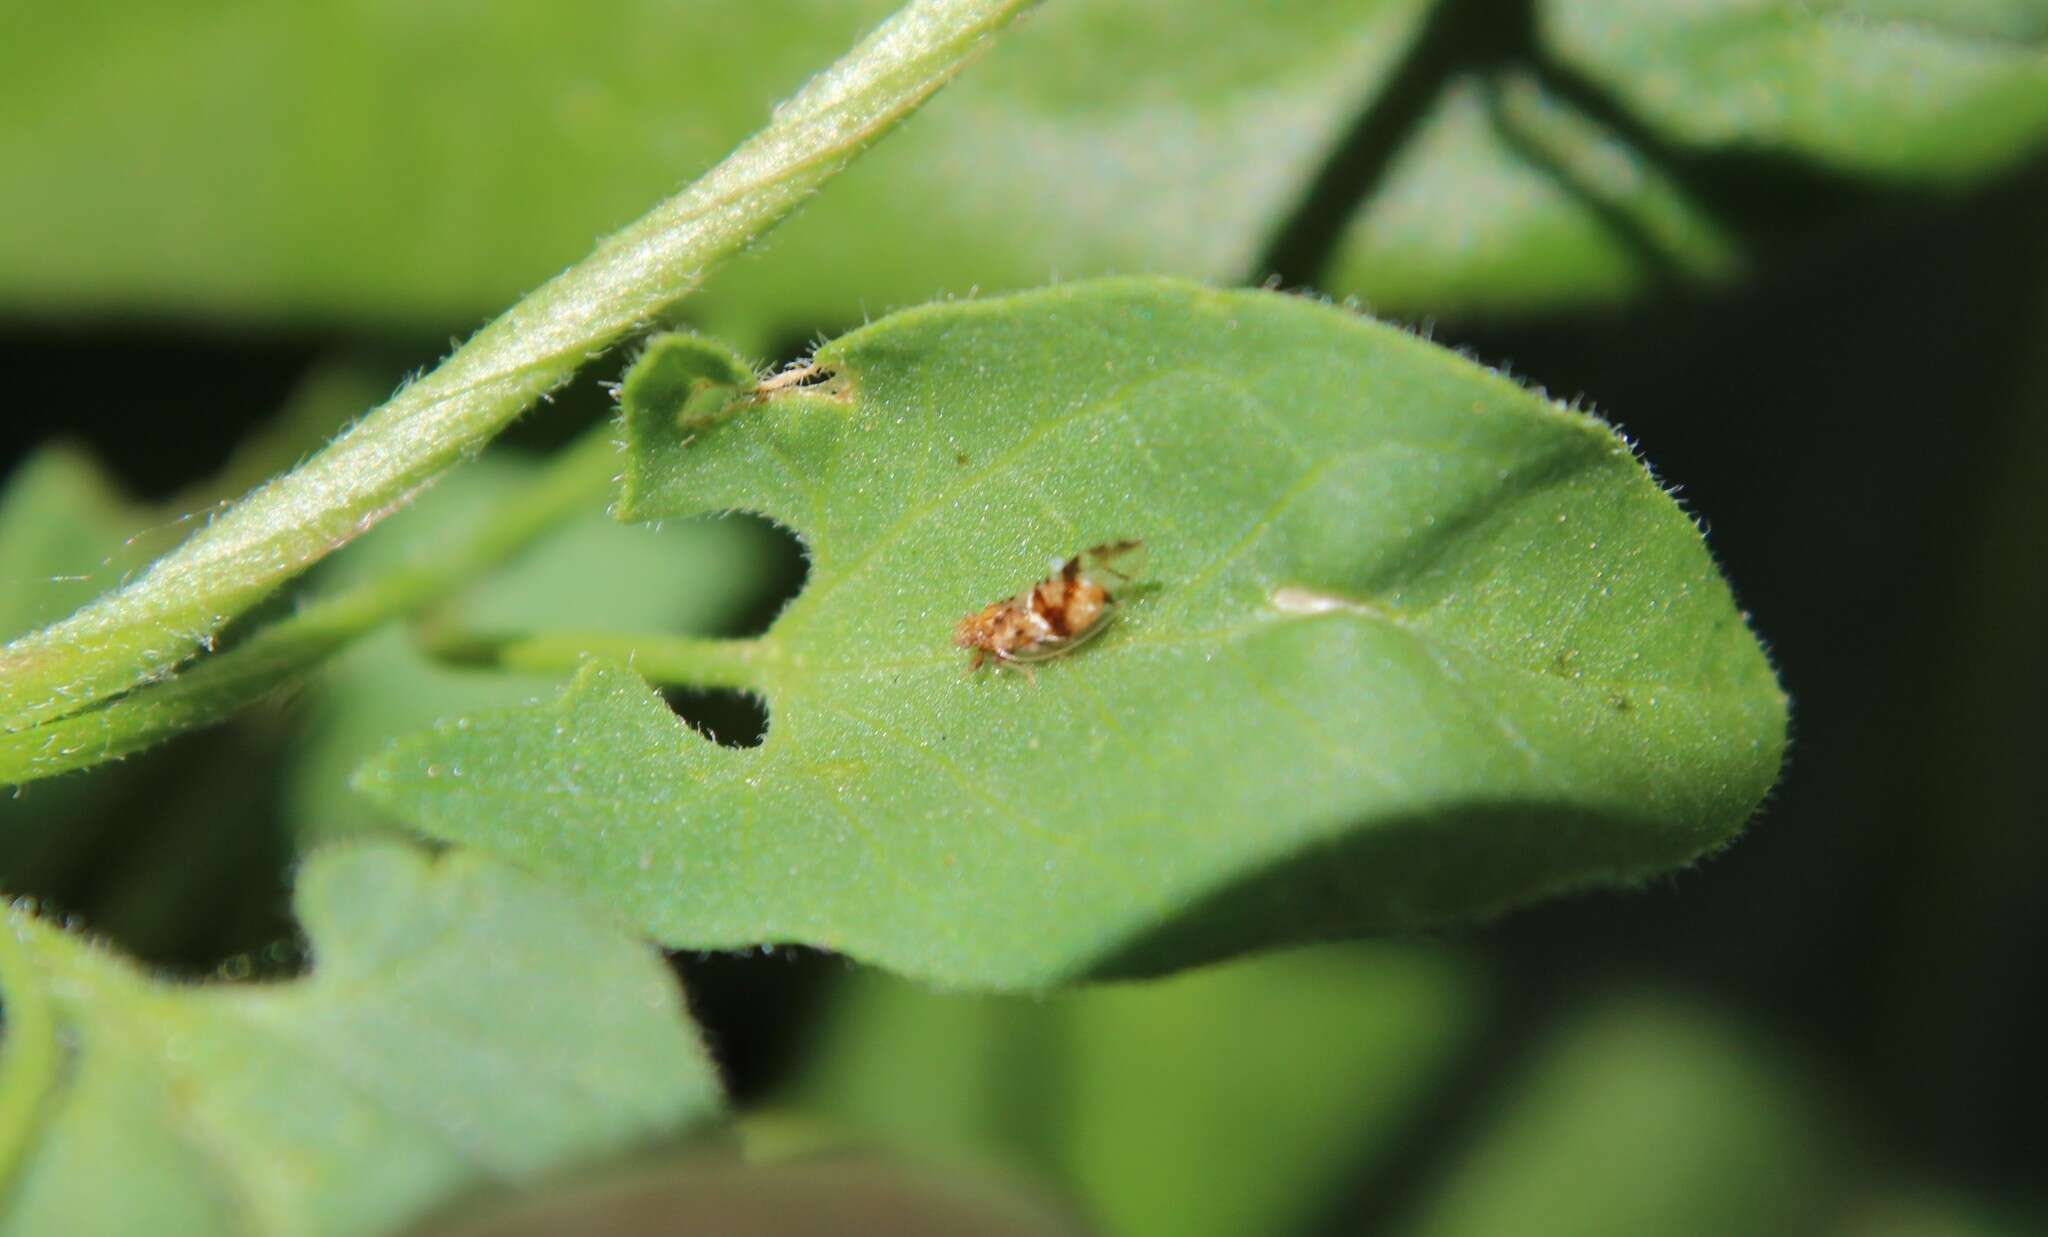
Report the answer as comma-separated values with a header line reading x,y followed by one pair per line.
x,y
144,631
576,480
664,660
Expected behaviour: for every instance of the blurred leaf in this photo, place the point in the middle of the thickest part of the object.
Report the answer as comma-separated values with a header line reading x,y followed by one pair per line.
x,y
64,538
1415,644
465,1027
696,577
388,160
1115,136
1509,198
1897,1210
1638,1120
356,157
385,161
1229,1101
64,533
1911,89
815,1199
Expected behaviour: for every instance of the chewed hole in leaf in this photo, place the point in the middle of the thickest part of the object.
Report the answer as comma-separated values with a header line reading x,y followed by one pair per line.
x,y
726,717
781,567
758,1009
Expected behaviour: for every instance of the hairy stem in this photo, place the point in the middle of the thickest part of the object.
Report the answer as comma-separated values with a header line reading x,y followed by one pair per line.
x,y
577,480
142,632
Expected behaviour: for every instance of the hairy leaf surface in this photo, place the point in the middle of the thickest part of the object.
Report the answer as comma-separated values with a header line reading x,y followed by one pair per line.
x,y
591,573
1414,644
464,1027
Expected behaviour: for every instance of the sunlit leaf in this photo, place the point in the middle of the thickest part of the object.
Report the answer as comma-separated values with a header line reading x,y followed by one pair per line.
x,y
1414,644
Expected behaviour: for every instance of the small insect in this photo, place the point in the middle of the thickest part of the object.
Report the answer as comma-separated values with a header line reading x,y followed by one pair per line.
x,y
1055,616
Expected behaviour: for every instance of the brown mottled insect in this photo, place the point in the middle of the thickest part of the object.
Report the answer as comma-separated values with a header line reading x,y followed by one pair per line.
x,y
1055,616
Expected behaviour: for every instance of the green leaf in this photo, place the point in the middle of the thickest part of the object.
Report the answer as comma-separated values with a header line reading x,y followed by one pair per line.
x,y
64,530
1111,136
1912,89
1415,645
1507,198
1313,1061
430,170
1643,1118
464,1028
696,576
446,171
377,161
65,536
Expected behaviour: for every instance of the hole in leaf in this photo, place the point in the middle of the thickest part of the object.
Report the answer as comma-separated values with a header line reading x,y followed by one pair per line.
x,y
726,717
759,1009
783,569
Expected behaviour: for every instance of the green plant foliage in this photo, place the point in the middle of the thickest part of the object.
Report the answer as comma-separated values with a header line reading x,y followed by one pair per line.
x,y
697,576
1508,198
64,533
144,630
1113,1092
1166,136
65,536
1915,89
464,1027
378,161
1644,1118
402,161
1415,644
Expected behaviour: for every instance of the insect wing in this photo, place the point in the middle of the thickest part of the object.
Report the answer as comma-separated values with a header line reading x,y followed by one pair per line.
x,y
1047,650
1113,564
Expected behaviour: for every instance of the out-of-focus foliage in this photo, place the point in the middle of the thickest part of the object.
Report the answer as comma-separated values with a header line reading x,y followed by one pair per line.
x,y
361,160
1230,1101
1638,1120
464,1026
